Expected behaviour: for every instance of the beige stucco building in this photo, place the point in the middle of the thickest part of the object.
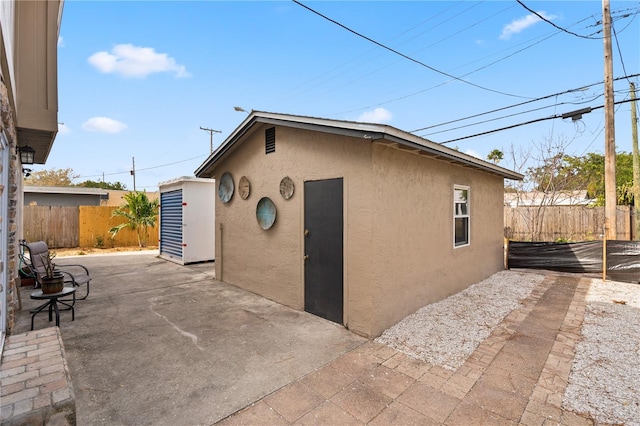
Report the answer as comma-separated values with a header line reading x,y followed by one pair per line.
x,y
28,121
359,223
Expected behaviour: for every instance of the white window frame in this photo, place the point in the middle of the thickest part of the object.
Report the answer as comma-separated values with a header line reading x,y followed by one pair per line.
x,y
460,213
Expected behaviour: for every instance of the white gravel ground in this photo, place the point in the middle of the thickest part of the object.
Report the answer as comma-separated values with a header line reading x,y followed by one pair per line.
x,y
447,332
605,379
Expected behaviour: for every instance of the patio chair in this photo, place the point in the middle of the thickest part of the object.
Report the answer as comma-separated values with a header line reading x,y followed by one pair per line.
x,y
76,275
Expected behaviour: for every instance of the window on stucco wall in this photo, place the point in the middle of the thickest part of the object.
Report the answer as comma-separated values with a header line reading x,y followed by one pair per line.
x,y
460,216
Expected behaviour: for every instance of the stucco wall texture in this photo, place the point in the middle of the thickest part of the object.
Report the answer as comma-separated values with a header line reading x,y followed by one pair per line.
x,y
398,224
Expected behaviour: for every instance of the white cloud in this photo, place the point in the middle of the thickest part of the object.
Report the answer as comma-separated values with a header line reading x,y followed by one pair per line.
x,y
519,25
473,154
134,61
103,125
60,41
378,115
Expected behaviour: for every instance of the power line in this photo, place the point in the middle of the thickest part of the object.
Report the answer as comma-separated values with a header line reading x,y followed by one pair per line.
x,y
637,11
537,120
597,134
362,63
598,23
520,104
556,26
171,164
396,99
448,81
440,23
405,56
357,59
512,115
377,104
146,168
624,69
465,75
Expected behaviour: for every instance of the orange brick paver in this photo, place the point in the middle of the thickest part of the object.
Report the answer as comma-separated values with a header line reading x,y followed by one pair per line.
x,y
35,381
517,376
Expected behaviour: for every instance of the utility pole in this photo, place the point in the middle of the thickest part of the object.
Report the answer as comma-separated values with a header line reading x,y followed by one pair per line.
x,y
636,163
211,132
133,172
610,199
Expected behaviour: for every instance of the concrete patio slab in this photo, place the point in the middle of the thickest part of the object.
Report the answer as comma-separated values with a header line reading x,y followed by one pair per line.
x,y
164,344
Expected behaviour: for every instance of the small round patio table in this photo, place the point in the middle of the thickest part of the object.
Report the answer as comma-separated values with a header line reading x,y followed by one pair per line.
x,y
52,301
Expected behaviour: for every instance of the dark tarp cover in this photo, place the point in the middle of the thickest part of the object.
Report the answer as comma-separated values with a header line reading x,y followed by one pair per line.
x,y
623,257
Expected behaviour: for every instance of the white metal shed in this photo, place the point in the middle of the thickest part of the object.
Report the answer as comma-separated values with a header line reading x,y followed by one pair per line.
x,y
187,220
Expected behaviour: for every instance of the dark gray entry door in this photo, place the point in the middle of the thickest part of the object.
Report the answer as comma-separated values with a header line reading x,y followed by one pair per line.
x,y
323,271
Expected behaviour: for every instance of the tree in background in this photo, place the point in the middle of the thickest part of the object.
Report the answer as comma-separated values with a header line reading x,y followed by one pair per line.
x,y
541,179
140,214
546,157
495,156
585,172
117,186
65,177
550,175
53,177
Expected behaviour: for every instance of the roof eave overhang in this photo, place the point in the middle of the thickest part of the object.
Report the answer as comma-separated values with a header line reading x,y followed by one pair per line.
x,y
41,140
64,190
366,131
450,155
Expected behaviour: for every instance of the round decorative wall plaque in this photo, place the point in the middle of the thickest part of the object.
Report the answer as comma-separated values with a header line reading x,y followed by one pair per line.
x,y
244,188
286,187
266,213
226,187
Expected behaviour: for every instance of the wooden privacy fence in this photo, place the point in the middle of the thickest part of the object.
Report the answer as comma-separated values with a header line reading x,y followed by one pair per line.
x,y
84,226
55,225
564,223
88,226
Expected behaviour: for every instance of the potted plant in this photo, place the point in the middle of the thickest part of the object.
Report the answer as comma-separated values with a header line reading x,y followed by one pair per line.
x,y
52,280
26,276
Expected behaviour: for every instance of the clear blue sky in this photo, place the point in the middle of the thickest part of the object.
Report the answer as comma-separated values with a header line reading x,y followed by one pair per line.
x,y
139,79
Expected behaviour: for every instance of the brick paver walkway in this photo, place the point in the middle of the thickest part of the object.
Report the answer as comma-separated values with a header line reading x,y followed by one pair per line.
x,y
516,376
35,381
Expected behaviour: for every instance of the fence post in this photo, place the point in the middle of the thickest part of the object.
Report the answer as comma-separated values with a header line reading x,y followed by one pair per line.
x,y
604,258
506,253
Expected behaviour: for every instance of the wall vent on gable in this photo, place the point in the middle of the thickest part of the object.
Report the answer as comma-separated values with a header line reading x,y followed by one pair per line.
x,y
270,140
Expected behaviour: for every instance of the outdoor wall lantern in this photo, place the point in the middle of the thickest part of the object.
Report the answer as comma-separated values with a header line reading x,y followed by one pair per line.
x,y
27,154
